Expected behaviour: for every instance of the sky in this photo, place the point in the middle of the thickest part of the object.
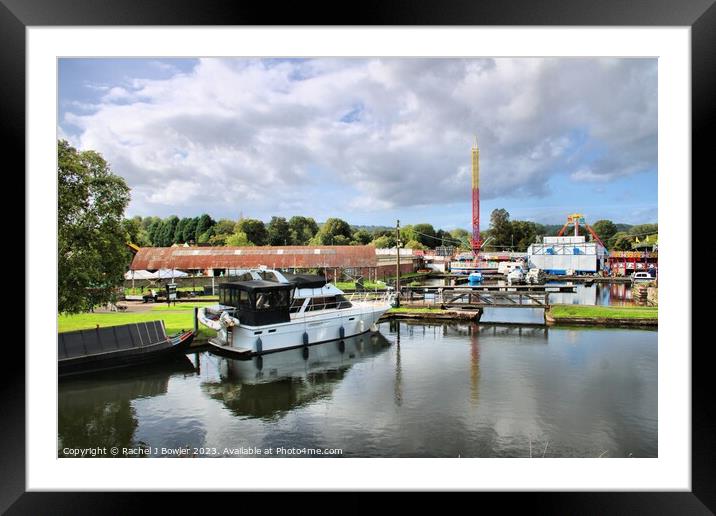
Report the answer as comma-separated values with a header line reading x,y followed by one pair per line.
x,y
371,140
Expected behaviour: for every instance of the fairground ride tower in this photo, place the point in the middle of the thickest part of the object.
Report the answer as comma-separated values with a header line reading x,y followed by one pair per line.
x,y
476,243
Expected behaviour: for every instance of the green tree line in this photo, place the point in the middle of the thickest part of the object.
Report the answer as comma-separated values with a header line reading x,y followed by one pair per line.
x,y
502,234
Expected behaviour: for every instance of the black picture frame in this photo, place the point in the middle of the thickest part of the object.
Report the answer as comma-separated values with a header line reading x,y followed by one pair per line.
x,y
700,15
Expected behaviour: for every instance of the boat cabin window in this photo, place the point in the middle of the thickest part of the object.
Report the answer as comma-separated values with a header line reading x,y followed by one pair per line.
x,y
258,302
324,303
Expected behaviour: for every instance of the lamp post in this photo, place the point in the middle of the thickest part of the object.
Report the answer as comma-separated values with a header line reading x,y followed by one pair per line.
x,y
397,267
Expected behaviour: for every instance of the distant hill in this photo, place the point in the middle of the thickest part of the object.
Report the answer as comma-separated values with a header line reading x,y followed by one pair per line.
x,y
371,229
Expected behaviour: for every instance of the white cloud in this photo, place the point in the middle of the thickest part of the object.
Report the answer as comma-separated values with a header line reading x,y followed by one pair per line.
x,y
249,135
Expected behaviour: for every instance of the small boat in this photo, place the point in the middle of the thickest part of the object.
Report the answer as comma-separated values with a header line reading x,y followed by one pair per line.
x,y
515,276
115,347
268,310
535,276
474,278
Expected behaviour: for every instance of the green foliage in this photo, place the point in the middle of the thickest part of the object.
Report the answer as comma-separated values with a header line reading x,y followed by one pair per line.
x,y
621,242
255,230
334,231
362,237
92,251
426,235
605,230
167,231
384,242
524,233
205,237
500,228
407,234
278,231
189,231
414,244
302,230
644,229
135,231
222,230
238,239
203,225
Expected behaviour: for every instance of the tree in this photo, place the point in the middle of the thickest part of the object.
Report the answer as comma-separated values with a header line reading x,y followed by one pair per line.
x,y
459,238
500,228
279,232
255,230
189,232
179,231
205,237
384,242
203,225
238,239
362,237
407,233
153,231
92,251
302,229
605,230
644,229
167,230
621,241
135,232
426,235
223,229
414,244
523,234
334,231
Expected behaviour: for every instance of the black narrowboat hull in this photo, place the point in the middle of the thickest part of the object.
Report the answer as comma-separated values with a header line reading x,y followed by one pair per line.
x,y
160,351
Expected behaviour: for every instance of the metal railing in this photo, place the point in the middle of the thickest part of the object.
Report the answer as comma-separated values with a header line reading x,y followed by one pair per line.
x,y
375,296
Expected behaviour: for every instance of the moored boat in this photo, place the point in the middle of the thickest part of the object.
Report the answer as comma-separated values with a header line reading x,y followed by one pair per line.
x,y
268,310
116,347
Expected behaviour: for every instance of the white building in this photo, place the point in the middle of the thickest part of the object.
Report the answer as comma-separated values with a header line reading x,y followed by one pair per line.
x,y
567,254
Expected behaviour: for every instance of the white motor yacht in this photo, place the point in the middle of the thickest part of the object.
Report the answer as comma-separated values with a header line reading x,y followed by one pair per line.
x,y
267,310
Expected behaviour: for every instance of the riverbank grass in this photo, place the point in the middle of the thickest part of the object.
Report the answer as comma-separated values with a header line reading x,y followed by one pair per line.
x,y
408,310
174,320
603,312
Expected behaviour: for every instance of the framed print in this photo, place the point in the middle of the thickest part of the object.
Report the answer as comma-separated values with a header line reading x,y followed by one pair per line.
x,y
424,242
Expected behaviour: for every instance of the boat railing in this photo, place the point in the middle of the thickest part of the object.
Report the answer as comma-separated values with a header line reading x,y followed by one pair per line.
x,y
377,296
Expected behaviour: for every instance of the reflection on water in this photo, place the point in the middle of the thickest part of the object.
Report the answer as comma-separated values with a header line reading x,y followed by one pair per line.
x,y
604,294
95,410
270,385
413,390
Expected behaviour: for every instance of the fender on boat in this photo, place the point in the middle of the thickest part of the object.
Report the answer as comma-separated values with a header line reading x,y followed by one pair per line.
x,y
209,323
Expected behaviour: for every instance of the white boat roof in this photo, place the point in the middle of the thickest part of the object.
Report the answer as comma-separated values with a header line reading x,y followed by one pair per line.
x,y
327,290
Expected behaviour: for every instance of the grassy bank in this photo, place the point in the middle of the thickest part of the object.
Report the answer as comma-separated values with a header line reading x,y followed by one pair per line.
x,y
603,312
351,285
404,310
175,319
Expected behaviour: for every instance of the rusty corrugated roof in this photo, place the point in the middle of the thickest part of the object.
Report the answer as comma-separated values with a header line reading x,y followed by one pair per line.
x,y
344,256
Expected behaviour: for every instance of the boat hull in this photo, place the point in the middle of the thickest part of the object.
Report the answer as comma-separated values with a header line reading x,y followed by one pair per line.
x,y
160,351
303,330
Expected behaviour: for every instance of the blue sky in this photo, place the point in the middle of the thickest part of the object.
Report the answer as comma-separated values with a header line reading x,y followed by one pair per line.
x,y
371,140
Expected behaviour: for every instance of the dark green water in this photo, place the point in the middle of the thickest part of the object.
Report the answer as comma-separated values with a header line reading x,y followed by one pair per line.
x,y
410,391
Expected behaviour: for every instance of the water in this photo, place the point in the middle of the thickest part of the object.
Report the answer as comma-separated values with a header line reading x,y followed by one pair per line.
x,y
414,390
603,294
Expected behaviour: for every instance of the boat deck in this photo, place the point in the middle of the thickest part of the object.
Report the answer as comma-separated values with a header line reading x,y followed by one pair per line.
x,y
224,349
